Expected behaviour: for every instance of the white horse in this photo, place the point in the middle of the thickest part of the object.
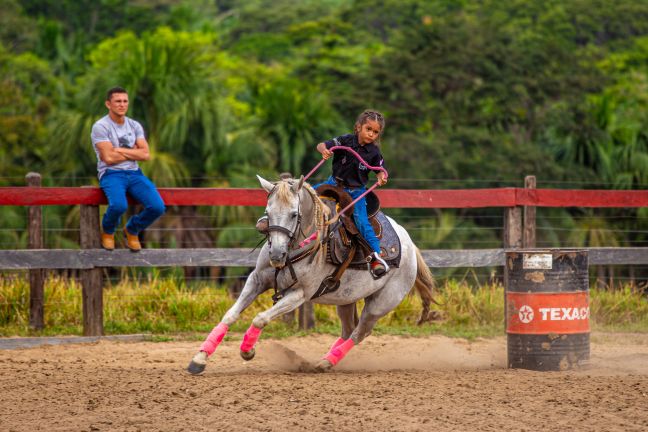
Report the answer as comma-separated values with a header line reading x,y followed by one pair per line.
x,y
294,212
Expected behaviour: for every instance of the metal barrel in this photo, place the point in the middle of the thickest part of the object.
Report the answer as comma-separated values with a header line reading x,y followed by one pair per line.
x,y
547,309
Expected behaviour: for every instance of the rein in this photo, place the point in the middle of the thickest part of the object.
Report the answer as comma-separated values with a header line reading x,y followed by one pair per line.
x,y
354,153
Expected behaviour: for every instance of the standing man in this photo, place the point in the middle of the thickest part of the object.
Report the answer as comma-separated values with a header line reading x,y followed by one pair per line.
x,y
119,143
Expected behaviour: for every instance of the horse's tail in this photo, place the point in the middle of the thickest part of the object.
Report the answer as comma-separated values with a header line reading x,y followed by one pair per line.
x,y
424,285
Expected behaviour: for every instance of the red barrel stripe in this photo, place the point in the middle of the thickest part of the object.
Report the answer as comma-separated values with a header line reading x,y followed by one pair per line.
x,y
544,313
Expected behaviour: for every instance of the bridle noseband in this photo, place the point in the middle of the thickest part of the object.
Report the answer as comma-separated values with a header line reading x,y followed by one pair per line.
x,y
292,235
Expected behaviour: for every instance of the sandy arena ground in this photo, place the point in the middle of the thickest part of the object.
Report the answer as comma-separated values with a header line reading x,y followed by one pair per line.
x,y
386,384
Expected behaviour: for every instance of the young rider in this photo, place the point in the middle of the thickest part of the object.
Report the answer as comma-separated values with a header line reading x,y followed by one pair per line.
x,y
353,175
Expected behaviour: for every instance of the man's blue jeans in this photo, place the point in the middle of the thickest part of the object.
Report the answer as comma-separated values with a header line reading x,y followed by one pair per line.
x,y
359,214
116,184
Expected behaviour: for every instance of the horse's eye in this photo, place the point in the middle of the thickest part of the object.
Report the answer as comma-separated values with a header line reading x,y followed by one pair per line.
x,y
294,214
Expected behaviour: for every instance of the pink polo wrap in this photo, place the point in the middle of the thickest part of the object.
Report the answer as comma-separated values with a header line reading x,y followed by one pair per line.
x,y
251,336
214,339
338,352
337,342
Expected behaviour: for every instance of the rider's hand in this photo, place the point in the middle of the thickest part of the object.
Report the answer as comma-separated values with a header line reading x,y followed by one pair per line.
x,y
326,153
382,178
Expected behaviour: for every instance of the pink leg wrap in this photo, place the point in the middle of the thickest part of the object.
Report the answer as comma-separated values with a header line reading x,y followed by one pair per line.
x,y
337,353
337,342
214,339
251,336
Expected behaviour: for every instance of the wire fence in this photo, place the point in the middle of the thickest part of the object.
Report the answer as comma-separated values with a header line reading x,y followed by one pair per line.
x,y
429,228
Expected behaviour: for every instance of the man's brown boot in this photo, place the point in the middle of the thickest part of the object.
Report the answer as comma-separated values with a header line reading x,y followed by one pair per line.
x,y
107,241
132,241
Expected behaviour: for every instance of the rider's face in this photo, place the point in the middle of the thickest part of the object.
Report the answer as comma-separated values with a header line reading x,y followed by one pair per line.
x,y
368,132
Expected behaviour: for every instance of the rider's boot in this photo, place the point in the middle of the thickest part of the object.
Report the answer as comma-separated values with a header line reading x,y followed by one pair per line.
x,y
132,241
107,241
377,266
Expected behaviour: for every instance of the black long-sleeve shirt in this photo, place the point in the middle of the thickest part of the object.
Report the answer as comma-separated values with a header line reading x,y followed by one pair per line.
x,y
347,169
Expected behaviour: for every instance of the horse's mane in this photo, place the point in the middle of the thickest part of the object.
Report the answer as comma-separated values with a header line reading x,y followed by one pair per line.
x,y
283,190
284,194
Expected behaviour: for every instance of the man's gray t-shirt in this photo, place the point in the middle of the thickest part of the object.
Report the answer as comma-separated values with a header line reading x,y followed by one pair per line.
x,y
120,135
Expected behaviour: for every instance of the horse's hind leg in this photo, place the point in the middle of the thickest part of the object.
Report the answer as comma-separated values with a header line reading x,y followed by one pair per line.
x,y
341,347
348,318
348,315
376,306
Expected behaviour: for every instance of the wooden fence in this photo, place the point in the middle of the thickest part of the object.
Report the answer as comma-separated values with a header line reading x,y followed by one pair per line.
x,y
518,232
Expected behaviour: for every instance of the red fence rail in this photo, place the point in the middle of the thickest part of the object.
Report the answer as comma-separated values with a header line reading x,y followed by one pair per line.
x,y
389,198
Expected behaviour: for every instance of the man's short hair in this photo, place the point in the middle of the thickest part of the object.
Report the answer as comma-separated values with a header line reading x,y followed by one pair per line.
x,y
114,90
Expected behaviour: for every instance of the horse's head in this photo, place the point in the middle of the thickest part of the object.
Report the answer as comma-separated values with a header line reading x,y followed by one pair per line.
x,y
284,210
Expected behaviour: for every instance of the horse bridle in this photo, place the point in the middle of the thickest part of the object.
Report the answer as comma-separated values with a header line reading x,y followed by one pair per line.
x,y
292,236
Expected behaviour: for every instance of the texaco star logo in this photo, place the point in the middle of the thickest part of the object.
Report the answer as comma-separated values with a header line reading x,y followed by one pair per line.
x,y
526,314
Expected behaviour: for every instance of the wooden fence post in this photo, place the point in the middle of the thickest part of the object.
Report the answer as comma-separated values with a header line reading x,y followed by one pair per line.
x,y
36,276
529,232
512,240
512,228
306,316
91,280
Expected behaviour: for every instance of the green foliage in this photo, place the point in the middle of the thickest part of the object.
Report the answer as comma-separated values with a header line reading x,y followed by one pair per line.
x,y
295,117
17,32
474,91
463,305
164,306
625,308
95,20
26,98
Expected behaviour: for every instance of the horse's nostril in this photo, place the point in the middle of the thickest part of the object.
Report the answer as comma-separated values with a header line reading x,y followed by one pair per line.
x,y
277,256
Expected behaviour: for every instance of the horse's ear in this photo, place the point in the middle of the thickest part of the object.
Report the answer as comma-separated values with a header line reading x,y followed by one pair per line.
x,y
265,184
300,184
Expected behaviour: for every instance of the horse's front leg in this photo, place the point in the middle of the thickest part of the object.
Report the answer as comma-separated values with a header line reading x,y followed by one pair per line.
x,y
255,285
289,302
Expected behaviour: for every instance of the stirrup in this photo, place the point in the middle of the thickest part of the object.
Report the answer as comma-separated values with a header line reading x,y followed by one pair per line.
x,y
377,265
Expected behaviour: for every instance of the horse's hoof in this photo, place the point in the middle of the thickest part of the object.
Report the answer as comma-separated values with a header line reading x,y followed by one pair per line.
x,y
198,363
248,355
323,366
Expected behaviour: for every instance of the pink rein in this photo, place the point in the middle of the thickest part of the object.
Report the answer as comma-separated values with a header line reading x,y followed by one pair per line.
x,y
350,150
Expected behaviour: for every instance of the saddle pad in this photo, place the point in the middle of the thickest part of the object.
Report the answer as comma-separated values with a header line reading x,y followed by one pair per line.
x,y
390,246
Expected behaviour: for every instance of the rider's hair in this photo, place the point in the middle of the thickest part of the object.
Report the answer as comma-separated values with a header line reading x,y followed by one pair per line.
x,y
115,90
370,114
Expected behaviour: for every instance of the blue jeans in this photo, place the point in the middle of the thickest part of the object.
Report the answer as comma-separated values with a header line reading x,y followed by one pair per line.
x,y
359,214
116,184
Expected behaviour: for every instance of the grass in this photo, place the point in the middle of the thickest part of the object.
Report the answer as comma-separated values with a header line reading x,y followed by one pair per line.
x,y
169,309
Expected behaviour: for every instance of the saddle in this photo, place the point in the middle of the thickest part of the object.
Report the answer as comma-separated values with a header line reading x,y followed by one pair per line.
x,y
347,238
